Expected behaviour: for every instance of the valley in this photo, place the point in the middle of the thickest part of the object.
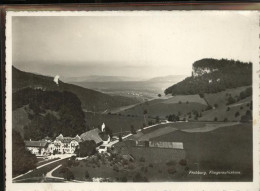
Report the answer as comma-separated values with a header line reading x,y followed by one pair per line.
x,y
170,134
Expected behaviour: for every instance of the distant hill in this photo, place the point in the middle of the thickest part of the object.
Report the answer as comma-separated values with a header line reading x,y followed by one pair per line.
x,y
91,100
169,78
211,76
135,88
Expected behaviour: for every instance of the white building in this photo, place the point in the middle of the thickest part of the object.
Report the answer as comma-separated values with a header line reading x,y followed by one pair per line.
x,y
66,144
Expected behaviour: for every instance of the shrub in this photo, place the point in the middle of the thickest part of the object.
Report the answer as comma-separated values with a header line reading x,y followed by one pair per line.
x,y
225,120
67,174
180,102
116,168
151,165
132,129
183,162
228,108
139,178
87,175
142,159
216,105
171,170
215,119
124,179
230,100
209,107
237,114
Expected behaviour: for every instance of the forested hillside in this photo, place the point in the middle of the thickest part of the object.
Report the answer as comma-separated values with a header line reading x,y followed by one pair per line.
x,y
91,100
211,76
50,113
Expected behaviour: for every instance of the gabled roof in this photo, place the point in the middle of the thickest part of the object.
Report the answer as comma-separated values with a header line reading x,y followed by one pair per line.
x,y
67,139
92,135
36,143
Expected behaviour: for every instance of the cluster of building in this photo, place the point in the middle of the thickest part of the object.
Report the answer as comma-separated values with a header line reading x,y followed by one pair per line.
x,y
63,145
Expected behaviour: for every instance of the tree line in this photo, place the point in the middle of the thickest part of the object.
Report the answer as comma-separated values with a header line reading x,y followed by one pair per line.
x,y
224,74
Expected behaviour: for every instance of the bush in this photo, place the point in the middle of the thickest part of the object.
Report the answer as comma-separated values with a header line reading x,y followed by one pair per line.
x,y
183,162
142,159
209,107
216,105
87,176
67,174
151,165
116,168
215,119
171,170
225,120
231,100
124,179
132,129
228,108
139,178
237,114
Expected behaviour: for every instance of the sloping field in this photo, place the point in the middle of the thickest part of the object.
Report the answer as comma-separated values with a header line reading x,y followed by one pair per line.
x,y
184,99
209,127
223,149
164,129
220,98
162,109
222,112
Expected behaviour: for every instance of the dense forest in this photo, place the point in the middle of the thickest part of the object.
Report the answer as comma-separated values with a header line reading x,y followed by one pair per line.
x,y
22,159
51,113
211,76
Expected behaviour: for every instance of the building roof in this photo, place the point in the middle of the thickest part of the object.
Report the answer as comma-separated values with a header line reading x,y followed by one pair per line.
x,y
36,143
68,139
170,145
92,135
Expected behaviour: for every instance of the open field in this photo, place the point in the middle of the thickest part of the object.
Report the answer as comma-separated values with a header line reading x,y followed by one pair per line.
x,y
217,150
220,98
115,122
184,99
227,112
162,109
163,129
184,126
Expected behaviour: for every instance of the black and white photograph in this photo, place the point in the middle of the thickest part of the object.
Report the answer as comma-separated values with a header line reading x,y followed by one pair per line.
x,y
132,97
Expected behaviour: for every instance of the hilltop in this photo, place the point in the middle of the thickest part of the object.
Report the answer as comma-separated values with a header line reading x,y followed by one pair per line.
x,y
212,76
91,100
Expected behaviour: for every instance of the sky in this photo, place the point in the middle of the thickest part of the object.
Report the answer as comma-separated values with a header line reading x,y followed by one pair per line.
x,y
137,46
